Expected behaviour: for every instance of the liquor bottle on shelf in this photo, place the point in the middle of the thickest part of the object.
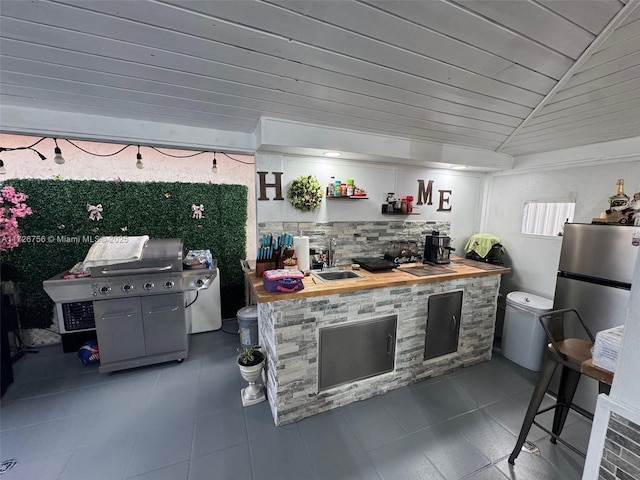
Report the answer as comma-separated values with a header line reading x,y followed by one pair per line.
x,y
620,198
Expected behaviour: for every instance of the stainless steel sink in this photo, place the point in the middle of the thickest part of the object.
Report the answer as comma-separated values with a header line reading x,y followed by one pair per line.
x,y
334,275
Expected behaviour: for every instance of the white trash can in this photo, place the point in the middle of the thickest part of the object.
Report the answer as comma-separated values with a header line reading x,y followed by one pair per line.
x,y
523,339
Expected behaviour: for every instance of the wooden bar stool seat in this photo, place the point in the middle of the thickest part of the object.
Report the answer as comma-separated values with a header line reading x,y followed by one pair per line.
x,y
573,355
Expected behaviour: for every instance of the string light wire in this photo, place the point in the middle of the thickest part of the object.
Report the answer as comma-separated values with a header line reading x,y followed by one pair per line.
x,y
138,156
237,160
29,147
178,156
99,154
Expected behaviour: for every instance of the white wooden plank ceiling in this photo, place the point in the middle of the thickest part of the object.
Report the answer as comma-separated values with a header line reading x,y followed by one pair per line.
x,y
515,76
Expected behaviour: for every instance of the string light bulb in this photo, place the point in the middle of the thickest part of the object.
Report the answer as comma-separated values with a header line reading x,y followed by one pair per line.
x,y
58,158
214,168
2,169
139,163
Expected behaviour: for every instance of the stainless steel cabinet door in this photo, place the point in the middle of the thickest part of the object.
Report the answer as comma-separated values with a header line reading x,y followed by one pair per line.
x,y
165,330
356,350
443,324
119,329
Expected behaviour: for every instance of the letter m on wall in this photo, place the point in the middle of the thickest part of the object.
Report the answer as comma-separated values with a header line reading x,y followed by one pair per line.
x,y
425,195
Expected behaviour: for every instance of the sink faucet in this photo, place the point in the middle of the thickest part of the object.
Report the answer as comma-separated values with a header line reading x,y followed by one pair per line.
x,y
331,253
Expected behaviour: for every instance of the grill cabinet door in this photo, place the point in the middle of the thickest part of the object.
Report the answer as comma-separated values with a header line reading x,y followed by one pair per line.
x,y
119,329
443,324
165,329
357,350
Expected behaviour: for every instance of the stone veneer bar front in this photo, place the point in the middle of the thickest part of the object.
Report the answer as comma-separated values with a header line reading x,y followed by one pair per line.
x,y
289,333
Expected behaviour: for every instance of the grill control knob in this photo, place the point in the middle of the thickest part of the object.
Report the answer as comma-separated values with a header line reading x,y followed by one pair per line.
x,y
169,284
127,288
105,289
148,286
199,282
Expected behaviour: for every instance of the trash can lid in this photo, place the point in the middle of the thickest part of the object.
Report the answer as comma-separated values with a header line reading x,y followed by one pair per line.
x,y
530,302
248,312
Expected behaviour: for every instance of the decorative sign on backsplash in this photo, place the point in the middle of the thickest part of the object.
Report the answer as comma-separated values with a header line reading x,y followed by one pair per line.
x,y
425,196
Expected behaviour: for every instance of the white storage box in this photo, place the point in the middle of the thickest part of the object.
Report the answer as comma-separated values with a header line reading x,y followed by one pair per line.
x,y
606,348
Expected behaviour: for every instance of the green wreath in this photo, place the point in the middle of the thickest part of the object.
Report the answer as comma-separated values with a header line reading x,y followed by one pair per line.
x,y
305,193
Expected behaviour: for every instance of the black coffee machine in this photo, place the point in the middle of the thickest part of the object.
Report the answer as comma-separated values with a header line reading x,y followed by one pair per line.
x,y
437,249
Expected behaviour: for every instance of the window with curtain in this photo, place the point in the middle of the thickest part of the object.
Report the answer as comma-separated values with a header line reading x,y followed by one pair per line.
x,y
546,218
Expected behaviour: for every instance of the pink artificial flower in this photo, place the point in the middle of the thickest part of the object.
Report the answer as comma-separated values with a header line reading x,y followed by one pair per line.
x,y
8,192
19,197
13,207
21,210
8,222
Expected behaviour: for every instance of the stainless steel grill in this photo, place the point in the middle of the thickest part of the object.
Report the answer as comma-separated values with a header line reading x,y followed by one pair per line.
x,y
137,307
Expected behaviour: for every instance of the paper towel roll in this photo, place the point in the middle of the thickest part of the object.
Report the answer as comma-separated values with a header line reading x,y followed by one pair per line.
x,y
301,249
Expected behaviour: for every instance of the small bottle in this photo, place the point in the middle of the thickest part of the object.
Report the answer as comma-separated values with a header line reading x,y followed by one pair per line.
x,y
343,189
620,198
336,188
409,199
391,201
350,188
331,186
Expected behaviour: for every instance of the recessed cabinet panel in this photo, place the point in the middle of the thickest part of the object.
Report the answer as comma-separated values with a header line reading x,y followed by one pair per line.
x,y
164,323
119,329
443,324
356,351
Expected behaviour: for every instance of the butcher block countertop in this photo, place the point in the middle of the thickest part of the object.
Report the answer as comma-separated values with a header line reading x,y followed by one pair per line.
x,y
314,287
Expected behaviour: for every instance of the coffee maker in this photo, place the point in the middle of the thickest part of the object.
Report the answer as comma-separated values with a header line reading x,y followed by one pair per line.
x,y
437,249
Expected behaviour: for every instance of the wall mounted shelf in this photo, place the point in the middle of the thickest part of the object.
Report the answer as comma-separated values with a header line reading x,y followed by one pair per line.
x,y
331,197
404,214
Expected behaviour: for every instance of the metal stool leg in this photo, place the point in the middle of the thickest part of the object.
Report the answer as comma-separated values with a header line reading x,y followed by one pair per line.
x,y
568,384
544,378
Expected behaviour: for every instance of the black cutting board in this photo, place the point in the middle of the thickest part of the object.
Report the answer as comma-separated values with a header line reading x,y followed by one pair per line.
x,y
374,264
427,270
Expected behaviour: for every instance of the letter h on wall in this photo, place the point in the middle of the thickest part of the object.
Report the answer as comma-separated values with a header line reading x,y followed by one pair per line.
x,y
262,182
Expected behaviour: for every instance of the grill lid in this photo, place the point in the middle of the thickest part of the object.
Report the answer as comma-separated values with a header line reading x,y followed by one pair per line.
x,y
157,256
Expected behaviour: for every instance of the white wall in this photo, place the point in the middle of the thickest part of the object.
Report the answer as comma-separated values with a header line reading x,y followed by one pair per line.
x,y
158,167
378,179
534,260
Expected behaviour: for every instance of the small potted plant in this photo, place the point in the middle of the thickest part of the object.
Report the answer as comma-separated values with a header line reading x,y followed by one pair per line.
x,y
251,361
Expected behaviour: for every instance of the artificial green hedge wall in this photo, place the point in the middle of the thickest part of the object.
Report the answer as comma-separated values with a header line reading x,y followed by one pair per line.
x,y
59,232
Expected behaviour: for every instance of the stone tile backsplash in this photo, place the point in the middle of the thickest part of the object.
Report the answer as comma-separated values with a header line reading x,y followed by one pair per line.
x,y
621,455
357,239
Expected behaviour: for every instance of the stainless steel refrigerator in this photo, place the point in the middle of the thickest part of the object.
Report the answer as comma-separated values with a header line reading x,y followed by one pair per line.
x,y
594,277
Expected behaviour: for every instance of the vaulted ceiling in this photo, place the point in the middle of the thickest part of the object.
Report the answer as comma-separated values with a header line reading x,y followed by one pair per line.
x,y
512,76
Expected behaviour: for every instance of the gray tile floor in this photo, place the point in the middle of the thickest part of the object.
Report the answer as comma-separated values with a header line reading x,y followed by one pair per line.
x,y
63,420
